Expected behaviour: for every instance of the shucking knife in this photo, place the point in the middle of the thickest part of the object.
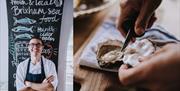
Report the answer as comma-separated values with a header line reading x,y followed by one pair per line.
x,y
128,25
129,36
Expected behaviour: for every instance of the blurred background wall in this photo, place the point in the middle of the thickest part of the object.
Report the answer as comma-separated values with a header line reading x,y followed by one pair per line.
x,y
169,16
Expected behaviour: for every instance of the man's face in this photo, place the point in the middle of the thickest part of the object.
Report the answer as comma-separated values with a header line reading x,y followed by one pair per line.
x,y
35,47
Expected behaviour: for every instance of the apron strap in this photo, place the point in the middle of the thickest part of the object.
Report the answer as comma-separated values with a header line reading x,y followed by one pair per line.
x,y
28,66
42,67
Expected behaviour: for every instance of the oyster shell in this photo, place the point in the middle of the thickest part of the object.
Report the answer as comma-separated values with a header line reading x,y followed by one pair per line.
x,y
138,49
109,54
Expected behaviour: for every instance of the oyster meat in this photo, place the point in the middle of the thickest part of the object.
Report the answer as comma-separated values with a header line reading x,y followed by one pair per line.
x,y
110,56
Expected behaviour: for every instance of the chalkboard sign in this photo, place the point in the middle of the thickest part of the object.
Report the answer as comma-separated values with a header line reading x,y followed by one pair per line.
x,y
27,18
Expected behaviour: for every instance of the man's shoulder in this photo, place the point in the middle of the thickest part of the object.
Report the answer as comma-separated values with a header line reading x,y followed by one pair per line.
x,y
48,61
23,63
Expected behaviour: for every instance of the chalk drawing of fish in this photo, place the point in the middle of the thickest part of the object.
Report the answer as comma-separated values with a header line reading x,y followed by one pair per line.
x,y
24,21
58,3
12,47
24,36
22,29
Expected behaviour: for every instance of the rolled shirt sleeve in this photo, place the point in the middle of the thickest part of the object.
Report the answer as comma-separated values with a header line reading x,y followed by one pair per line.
x,y
20,76
51,70
54,73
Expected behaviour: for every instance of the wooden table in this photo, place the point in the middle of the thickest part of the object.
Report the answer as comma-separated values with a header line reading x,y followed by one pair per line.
x,y
92,79
89,79
85,78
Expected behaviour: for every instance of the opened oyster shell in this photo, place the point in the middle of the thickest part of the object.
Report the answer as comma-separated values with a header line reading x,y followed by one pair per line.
x,y
109,54
138,49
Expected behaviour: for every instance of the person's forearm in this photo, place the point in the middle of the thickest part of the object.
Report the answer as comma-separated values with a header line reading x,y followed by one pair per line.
x,y
42,86
26,89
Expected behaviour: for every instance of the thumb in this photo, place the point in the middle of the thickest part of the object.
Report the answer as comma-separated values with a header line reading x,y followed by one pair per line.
x,y
141,23
146,12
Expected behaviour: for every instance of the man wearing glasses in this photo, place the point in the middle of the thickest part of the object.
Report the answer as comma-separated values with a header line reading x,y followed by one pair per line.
x,y
36,73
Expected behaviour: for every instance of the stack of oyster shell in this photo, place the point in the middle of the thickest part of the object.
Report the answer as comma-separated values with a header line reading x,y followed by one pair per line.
x,y
109,53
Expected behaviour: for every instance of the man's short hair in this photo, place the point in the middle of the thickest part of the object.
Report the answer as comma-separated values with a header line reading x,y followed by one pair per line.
x,y
36,37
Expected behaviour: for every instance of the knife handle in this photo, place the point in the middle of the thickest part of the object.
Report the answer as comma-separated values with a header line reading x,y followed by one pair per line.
x,y
129,24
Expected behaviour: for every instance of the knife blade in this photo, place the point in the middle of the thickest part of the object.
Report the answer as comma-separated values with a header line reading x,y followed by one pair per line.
x,y
129,25
128,39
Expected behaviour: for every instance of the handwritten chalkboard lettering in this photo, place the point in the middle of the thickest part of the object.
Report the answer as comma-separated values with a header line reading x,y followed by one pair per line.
x,y
23,54
22,50
14,63
23,58
54,11
57,3
43,3
18,45
27,10
50,51
48,29
48,38
47,51
46,34
14,83
14,75
21,44
18,2
31,2
48,19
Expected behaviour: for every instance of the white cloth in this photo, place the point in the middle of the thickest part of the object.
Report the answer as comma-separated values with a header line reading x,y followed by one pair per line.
x,y
106,32
49,69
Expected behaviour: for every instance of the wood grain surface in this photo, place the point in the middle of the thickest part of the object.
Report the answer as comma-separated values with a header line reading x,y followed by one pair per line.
x,y
92,79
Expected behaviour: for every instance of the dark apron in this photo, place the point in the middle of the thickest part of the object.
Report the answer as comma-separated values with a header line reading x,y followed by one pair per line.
x,y
35,78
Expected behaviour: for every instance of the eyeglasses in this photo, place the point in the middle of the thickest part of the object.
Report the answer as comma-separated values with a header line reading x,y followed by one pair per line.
x,y
33,45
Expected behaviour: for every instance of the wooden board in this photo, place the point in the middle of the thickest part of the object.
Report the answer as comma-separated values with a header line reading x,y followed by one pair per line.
x,y
89,79
92,79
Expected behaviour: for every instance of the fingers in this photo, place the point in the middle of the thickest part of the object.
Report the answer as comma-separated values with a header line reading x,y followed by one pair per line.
x,y
50,78
123,17
149,72
125,14
145,58
146,15
124,67
137,75
26,82
152,20
129,76
123,74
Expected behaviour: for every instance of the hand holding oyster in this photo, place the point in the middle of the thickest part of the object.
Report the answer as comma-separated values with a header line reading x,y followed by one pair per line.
x,y
109,54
